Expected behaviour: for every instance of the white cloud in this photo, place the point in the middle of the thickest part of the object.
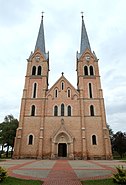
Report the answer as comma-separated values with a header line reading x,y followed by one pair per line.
x,y
106,27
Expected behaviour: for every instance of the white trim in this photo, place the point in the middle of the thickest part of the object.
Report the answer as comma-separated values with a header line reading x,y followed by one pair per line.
x,y
96,139
56,89
91,90
63,85
31,109
53,109
71,110
68,89
65,113
35,70
28,138
90,111
87,70
33,89
93,70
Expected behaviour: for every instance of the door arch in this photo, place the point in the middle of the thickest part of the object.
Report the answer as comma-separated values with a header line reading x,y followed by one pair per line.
x,y
62,145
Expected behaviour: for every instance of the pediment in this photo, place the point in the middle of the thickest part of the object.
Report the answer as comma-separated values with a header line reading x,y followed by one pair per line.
x,y
36,56
67,85
88,56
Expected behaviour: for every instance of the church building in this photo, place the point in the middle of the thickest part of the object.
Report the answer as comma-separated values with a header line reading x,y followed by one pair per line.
x,y
62,121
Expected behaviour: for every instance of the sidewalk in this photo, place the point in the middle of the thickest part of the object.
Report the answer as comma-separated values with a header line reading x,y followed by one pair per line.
x,y
63,172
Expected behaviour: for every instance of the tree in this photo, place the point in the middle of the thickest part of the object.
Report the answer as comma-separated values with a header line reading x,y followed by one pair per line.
x,y
8,132
110,132
119,143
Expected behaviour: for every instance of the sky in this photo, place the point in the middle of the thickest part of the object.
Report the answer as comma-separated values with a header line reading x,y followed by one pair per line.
x,y
106,27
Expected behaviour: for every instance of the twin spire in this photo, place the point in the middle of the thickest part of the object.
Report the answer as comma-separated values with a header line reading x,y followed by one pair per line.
x,y
40,43
84,39
85,44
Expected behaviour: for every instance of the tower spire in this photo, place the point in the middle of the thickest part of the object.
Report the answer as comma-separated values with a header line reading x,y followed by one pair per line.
x,y
84,38
40,43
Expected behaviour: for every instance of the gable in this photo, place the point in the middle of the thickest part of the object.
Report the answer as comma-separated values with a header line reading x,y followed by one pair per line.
x,y
38,55
88,56
62,90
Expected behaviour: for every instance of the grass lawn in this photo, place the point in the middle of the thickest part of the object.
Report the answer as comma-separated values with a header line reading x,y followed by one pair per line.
x,y
98,182
15,181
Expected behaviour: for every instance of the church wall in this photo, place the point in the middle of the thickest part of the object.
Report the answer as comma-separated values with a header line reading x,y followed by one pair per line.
x,y
31,126
41,82
94,127
95,103
29,103
73,103
77,125
72,126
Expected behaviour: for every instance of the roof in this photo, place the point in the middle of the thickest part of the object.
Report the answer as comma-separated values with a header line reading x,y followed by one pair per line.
x,y
40,43
84,40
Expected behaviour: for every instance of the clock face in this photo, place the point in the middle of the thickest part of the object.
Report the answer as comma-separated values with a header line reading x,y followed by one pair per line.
x,y
87,58
37,58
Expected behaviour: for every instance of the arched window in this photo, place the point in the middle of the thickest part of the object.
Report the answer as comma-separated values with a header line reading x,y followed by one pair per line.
x,y
85,70
62,85
56,110
39,70
62,109
34,70
30,140
69,110
91,70
94,141
90,90
92,110
68,93
34,90
56,93
33,110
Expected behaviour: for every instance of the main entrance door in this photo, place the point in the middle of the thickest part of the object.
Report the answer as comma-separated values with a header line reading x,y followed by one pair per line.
x,y
62,150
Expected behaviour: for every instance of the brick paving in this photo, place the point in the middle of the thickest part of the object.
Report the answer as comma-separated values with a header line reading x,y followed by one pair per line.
x,y
61,172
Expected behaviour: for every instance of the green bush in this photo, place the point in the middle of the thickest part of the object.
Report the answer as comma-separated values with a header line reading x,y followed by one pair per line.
x,y
3,174
120,176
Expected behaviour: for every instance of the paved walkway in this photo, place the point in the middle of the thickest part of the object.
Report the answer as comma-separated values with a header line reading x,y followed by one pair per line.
x,y
61,172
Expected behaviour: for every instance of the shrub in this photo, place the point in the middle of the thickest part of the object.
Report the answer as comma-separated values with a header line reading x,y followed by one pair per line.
x,y
3,174
120,176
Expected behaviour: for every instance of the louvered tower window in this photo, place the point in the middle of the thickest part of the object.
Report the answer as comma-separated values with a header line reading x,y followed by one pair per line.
x,y
34,70
34,90
90,90
39,70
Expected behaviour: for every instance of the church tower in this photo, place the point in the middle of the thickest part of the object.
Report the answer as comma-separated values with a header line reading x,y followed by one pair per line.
x,y
95,136
62,121
32,111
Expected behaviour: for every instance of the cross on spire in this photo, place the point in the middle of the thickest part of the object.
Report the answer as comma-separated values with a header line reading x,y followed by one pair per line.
x,y
40,43
42,14
82,14
84,38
